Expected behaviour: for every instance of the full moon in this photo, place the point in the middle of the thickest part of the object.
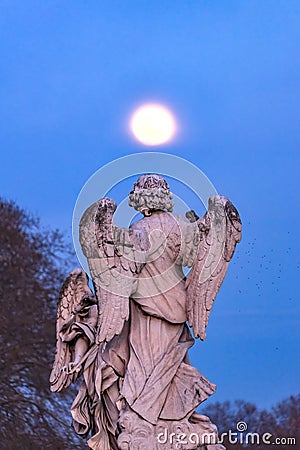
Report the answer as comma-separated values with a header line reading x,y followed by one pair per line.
x,y
153,124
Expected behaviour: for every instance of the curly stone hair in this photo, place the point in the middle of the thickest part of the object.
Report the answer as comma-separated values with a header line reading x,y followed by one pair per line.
x,y
151,192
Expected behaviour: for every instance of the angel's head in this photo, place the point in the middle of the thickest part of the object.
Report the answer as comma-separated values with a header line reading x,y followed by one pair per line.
x,y
150,193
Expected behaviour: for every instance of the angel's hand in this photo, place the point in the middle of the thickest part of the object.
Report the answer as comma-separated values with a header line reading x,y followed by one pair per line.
x,y
192,216
71,368
106,205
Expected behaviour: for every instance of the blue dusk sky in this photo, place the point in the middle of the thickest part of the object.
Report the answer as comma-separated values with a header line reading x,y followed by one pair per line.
x,y
72,73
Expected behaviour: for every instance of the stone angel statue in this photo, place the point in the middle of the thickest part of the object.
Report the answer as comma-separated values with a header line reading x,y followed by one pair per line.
x,y
128,339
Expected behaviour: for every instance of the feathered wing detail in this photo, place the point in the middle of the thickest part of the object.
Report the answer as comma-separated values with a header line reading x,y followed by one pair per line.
x,y
114,264
74,295
220,231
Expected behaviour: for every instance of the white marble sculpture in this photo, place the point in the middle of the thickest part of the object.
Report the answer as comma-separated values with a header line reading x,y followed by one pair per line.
x,y
129,339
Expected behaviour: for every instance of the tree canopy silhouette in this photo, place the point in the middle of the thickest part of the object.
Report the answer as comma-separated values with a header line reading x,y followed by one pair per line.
x,y
282,422
31,271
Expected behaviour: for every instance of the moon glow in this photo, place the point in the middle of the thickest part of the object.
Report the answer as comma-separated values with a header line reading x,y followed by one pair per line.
x,y
153,124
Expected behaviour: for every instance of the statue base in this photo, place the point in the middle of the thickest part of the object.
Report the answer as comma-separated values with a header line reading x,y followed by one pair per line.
x,y
195,433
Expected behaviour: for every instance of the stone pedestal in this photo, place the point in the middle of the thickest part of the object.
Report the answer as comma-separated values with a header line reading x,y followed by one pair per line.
x,y
197,433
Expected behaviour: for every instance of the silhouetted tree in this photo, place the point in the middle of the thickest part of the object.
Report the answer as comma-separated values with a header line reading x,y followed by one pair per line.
x,y
31,271
287,416
282,423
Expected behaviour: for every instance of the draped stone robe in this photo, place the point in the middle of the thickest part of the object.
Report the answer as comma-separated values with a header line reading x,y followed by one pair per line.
x,y
147,364
159,381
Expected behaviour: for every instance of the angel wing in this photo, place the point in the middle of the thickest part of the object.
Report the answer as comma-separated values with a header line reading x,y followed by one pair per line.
x,y
114,265
74,296
219,232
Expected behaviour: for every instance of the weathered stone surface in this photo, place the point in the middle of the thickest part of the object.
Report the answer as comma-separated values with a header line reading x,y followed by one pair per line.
x,y
129,339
